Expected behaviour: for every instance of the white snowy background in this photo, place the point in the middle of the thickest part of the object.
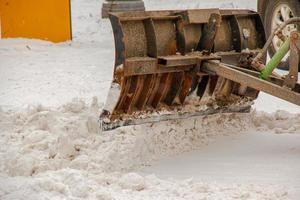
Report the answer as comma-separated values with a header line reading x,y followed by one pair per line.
x,y
51,147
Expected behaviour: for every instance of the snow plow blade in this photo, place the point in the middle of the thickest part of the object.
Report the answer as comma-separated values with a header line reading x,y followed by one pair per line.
x,y
159,56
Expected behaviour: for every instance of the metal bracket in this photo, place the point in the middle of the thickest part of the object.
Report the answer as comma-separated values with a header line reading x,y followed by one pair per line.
x,y
292,78
252,81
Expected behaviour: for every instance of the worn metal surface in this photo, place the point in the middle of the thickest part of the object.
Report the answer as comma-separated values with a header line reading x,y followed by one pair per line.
x,y
173,116
159,55
215,67
292,78
121,6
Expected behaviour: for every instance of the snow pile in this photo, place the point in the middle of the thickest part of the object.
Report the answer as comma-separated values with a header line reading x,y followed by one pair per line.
x,y
62,153
75,184
280,122
69,136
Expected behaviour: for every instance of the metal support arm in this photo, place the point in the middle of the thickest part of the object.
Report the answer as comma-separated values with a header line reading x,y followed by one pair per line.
x,y
220,69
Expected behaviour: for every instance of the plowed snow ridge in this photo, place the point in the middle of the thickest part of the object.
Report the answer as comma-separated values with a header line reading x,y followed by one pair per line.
x,y
60,152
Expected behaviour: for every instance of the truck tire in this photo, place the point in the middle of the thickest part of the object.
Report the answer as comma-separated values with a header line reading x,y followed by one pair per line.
x,y
276,12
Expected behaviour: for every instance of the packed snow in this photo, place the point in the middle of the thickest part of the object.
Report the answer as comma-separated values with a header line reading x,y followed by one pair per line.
x,y
51,147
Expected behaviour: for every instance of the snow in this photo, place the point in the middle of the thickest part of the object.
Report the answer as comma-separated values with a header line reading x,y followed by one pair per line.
x,y
247,158
59,153
51,147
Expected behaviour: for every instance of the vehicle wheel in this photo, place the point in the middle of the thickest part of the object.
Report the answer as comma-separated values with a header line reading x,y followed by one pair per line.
x,y
277,12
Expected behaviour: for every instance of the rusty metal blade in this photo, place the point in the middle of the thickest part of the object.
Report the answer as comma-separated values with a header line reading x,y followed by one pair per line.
x,y
159,55
107,126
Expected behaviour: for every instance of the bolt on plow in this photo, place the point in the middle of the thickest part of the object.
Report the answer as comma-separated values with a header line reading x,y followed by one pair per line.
x,y
184,63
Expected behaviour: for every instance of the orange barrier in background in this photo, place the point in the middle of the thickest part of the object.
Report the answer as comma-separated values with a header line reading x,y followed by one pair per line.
x,y
40,19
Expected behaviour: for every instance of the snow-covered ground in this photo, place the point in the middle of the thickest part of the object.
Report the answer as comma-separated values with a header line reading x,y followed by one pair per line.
x,y
51,147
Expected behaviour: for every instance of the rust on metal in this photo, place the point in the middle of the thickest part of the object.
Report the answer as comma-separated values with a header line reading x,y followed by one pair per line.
x,y
177,60
165,84
136,94
149,84
235,75
196,17
186,85
175,88
160,56
292,78
140,66
209,32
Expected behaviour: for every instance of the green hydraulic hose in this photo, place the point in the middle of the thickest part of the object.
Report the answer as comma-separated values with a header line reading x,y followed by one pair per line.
x,y
276,59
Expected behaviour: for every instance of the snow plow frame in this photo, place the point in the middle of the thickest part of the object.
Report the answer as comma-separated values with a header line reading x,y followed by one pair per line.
x,y
162,57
